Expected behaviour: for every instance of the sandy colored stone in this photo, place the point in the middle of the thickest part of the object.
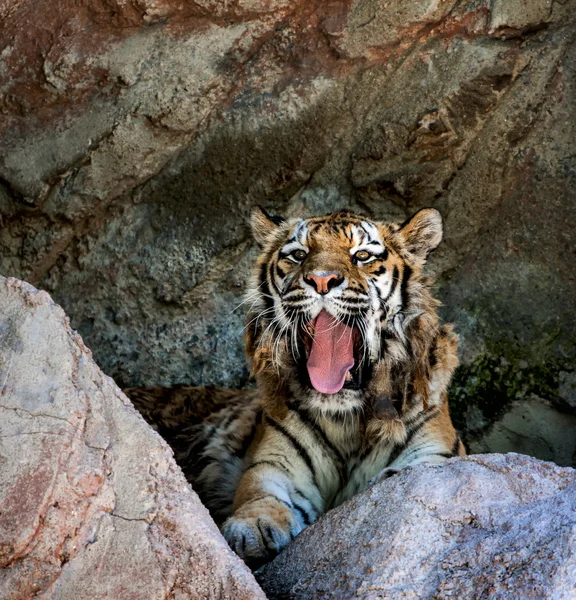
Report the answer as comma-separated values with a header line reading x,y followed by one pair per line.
x,y
488,526
92,504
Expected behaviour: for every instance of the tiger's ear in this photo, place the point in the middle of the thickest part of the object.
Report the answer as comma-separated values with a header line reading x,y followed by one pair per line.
x,y
422,232
263,225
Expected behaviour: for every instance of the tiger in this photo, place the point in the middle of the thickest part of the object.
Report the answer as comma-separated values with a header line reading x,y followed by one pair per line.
x,y
351,365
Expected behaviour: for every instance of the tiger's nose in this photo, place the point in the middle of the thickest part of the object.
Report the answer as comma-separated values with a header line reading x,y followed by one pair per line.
x,y
323,282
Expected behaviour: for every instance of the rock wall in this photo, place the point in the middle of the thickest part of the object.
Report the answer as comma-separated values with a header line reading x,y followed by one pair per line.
x,y
92,504
135,137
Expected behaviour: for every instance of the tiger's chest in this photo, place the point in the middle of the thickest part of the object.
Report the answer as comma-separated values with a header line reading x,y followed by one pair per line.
x,y
359,463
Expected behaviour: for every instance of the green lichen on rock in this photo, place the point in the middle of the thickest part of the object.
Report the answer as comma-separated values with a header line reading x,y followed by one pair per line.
x,y
481,390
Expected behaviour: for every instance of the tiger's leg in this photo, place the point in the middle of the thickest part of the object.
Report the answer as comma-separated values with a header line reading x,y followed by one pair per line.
x,y
431,439
280,493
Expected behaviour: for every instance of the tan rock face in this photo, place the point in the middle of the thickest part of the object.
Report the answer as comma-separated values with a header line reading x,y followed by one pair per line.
x,y
92,504
486,526
135,136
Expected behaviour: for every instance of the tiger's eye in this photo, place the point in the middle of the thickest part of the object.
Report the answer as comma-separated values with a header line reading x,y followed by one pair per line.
x,y
362,255
299,255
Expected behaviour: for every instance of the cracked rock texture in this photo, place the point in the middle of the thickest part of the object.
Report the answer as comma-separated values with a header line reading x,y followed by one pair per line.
x,y
136,135
488,526
92,505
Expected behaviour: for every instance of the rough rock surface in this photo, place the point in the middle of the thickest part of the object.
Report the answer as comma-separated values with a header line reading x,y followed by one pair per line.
x,y
532,426
135,135
92,505
485,526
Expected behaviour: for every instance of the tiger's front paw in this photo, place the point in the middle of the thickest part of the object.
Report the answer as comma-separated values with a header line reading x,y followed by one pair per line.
x,y
258,531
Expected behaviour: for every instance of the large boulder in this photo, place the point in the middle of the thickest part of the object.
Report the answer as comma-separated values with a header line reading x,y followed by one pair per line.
x,y
135,136
487,526
92,505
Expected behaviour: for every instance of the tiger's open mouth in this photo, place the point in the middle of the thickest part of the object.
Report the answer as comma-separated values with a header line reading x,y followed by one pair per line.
x,y
332,354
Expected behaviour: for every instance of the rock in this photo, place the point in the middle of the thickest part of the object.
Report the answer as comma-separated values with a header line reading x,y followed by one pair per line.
x,y
486,526
92,503
532,427
515,16
134,140
567,391
513,406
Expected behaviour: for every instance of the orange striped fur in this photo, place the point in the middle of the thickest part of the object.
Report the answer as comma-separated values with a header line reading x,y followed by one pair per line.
x,y
270,461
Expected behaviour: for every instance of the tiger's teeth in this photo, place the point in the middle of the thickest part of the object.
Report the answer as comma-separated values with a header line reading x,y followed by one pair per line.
x,y
348,376
310,329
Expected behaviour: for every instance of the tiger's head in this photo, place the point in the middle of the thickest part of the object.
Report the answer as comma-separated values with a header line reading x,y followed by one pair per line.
x,y
333,296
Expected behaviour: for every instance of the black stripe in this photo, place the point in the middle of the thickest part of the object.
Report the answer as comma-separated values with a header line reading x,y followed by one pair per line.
x,y
444,454
280,272
265,287
302,452
281,456
272,463
404,288
305,516
434,413
456,446
380,271
417,449
397,450
351,300
199,460
308,420
295,291
272,278
366,372
228,419
248,439
385,311
283,502
382,255
409,423
363,455
384,337
295,296
408,344
276,219
432,360
202,442
394,283
303,497
294,506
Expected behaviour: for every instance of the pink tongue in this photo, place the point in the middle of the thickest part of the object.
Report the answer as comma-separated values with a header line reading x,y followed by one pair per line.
x,y
332,354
